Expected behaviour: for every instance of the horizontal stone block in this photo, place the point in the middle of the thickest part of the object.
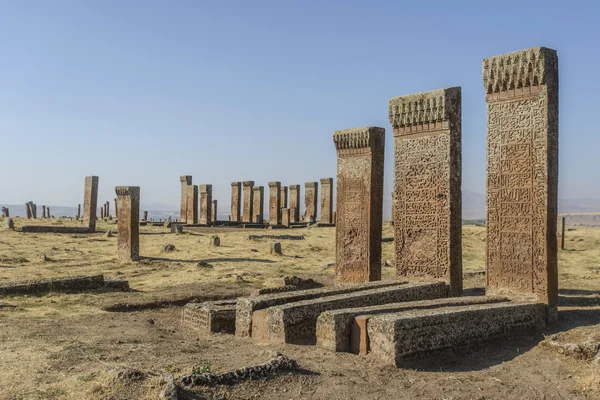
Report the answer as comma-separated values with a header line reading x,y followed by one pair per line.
x,y
297,322
210,316
54,229
334,328
246,306
394,337
62,284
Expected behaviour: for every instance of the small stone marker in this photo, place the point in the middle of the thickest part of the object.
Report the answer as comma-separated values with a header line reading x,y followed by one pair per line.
x,y
275,248
9,223
285,217
215,241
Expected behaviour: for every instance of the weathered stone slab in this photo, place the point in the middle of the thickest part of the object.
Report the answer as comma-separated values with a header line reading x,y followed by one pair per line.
x,y
210,317
205,204
294,203
128,222
274,203
236,201
258,204
311,200
61,284
427,183
186,180
394,337
284,196
297,322
246,306
326,201
90,202
192,204
248,201
53,229
360,154
213,211
334,328
522,174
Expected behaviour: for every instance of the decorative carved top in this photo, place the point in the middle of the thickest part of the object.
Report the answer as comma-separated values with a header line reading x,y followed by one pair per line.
x,y
356,138
274,184
186,178
294,187
419,108
236,183
248,183
311,185
326,181
258,188
205,188
523,68
132,191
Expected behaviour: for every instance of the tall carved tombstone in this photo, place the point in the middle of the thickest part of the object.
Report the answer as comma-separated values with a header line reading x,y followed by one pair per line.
x,y
48,211
360,154
522,174
236,201
90,202
213,211
326,200
205,203
107,212
43,211
427,183
128,225
28,212
192,204
78,211
248,199
284,196
186,180
294,203
285,217
116,208
274,203
311,200
258,204
102,213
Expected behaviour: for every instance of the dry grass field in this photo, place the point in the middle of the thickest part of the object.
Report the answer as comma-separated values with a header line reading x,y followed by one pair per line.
x,y
64,346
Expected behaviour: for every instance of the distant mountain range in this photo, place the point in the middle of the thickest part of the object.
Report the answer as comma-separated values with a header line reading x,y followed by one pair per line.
x,y
473,207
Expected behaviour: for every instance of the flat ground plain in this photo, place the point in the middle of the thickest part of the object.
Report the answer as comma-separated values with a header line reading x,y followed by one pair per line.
x,y
63,346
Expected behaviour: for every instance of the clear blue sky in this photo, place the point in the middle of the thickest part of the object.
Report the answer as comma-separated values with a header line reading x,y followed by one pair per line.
x,y
141,92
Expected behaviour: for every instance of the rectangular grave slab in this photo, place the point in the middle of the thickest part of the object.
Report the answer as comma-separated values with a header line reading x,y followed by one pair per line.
x,y
326,200
311,199
236,201
246,306
210,317
186,180
427,181
297,322
248,208
522,174
334,328
395,337
294,203
90,202
61,284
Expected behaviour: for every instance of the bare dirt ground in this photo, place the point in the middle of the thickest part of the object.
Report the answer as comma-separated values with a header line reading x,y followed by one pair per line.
x,y
64,346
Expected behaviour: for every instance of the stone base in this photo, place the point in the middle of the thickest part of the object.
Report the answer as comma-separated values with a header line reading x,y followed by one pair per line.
x,y
210,317
246,306
297,322
394,337
337,329
54,229
63,284
324,225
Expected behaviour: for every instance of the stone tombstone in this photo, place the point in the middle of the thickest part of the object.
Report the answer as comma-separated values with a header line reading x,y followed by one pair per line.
x,y
311,200
285,217
5,213
101,212
128,225
274,203
192,204
205,204
236,201
360,155
116,208
248,199
258,204
48,212
326,200
145,216
427,183
522,174
43,211
294,203
28,213
213,211
186,180
78,211
107,211
284,196
90,202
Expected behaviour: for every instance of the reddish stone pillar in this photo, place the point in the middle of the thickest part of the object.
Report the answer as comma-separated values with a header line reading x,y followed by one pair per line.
x,y
192,204
248,198
186,180
236,201
326,200
90,202
258,204
274,203
360,154
128,225
294,203
311,196
205,204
